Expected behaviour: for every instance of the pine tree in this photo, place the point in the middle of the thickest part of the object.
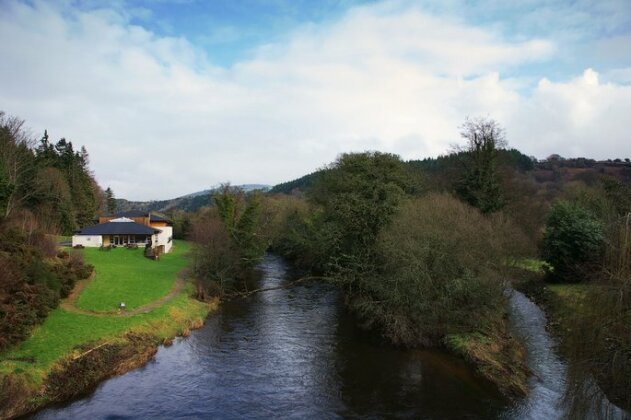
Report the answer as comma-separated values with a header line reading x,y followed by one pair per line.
x,y
110,201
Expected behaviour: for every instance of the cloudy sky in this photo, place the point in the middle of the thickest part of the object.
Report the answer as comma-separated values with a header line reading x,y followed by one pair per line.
x,y
171,97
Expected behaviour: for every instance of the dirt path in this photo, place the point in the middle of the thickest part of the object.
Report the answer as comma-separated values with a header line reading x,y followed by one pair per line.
x,y
68,304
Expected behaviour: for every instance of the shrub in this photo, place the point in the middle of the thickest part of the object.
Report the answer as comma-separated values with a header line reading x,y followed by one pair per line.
x,y
573,242
442,265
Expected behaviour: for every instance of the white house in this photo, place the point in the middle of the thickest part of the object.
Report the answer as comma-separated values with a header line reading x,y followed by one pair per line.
x,y
129,228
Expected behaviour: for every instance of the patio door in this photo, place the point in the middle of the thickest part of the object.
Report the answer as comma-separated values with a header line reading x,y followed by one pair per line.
x,y
116,240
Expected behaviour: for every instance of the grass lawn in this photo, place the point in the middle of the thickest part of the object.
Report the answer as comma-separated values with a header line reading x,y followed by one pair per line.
x,y
125,275
63,331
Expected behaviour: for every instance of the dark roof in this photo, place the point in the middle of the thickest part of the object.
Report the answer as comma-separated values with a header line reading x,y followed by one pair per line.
x,y
118,228
132,213
156,218
140,213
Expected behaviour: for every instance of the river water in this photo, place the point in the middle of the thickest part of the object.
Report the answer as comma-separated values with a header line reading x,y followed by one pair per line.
x,y
296,353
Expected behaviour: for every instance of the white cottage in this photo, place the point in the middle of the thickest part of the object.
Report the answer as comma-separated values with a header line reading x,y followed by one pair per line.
x,y
129,228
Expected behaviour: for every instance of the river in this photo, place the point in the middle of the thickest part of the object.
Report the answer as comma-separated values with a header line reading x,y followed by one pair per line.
x,y
296,353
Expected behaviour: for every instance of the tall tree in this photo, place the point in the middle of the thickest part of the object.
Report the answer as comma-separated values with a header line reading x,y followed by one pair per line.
x,y
110,201
359,194
480,184
16,163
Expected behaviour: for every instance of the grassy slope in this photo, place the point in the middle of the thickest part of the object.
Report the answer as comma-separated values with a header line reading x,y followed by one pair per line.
x,y
125,275
64,331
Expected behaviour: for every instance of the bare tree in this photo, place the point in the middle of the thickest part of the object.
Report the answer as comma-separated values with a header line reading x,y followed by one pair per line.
x,y
16,160
480,185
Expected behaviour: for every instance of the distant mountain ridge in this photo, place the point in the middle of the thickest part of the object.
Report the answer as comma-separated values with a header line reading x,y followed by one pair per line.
x,y
189,202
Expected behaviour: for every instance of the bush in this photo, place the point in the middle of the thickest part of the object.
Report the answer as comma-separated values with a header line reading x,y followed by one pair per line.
x,y
573,242
31,281
442,264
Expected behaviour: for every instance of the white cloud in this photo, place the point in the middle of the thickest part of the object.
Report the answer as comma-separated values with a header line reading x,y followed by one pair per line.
x,y
160,121
581,117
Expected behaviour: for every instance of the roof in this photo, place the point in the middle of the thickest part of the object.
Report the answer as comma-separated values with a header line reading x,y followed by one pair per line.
x,y
133,213
140,213
115,228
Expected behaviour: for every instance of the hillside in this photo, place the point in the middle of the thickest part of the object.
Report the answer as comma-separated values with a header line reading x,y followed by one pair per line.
x,y
189,202
443,170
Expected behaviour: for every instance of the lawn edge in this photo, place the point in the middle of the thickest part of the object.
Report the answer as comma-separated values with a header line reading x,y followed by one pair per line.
x,y
90,363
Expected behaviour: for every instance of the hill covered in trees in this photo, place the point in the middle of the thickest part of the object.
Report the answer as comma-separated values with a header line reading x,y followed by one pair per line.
x,y
188,203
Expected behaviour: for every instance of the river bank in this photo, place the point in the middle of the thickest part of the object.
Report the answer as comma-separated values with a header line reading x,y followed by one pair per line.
x,y
77,348
290,353
26,386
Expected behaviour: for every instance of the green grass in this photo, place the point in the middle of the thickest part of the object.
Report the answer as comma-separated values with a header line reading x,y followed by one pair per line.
x,y
125,275
65,334
531,264
571,295
63,331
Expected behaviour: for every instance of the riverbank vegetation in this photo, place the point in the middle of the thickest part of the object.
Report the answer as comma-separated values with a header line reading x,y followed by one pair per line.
x,y
424,268
587,244
229,242
72,351
425,249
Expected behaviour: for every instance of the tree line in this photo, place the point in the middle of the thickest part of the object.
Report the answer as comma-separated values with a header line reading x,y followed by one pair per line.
x,y
45,189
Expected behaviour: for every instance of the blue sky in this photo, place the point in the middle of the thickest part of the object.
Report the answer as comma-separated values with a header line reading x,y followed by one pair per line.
x,y
230,31
194,93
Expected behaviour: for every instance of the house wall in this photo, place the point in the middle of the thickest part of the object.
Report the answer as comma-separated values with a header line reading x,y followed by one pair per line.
x,y
163,237
88,241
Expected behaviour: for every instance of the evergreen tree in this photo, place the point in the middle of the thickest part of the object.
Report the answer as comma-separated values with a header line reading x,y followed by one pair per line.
x,y
110,201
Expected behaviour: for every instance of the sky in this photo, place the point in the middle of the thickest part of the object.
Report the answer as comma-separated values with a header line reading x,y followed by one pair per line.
x,y
175,96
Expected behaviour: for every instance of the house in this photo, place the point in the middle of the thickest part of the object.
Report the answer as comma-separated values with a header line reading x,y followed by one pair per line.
x,y
128,228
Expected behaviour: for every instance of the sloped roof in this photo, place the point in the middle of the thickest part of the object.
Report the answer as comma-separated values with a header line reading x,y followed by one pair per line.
x,y
140,213
114,228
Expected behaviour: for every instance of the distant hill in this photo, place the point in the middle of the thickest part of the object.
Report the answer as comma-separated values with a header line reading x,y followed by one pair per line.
x,y
444,169
188,202
297,185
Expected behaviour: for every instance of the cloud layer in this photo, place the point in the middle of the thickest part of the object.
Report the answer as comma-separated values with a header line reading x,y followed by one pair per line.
x,y
160,120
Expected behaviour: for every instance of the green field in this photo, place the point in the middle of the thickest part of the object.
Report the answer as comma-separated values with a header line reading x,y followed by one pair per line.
x,y
125,275
62,331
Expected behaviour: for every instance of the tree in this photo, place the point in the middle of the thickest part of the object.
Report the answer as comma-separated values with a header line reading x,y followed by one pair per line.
x,y
573,240
359,194
480,185
16,164
240,215
110,201
228,241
